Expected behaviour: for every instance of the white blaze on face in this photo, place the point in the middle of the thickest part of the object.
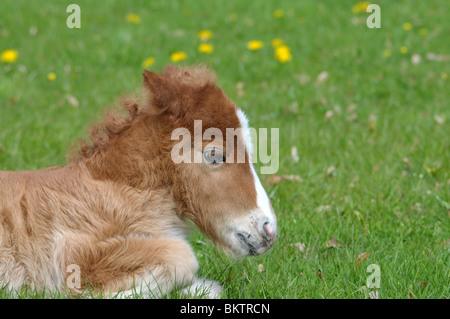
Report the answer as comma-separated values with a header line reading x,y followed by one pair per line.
x,y
262,199
246,132
263,202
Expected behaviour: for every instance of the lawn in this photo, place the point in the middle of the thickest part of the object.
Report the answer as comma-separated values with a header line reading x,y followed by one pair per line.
x,y
363,117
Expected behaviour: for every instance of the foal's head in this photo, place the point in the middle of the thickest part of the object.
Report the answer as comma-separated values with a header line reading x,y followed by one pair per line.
x,y
215,185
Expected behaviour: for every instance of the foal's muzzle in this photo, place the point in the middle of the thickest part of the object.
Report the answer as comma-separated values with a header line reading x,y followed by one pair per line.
x,y
260,241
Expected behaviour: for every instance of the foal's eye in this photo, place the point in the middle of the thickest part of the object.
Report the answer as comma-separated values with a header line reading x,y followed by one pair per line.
x,y
213,156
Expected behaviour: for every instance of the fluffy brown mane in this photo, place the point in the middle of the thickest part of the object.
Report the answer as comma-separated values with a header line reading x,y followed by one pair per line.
x,y
114,123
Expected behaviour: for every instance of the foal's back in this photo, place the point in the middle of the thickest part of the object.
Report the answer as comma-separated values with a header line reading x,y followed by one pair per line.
x,y
14,185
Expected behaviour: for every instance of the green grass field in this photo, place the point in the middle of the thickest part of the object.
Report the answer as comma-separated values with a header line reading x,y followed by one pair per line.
x,y
366,109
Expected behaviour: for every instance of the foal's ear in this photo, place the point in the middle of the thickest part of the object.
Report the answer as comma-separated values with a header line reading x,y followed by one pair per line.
x,y
161,94
151,80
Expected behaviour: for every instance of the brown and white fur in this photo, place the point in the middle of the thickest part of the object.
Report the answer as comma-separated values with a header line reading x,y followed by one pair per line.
x,y
120,208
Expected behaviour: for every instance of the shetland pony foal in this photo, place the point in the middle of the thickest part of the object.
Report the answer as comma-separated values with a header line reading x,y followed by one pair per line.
x,y
119,210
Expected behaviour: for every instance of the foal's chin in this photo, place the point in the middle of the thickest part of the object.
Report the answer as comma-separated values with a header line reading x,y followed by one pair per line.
x,y
241,249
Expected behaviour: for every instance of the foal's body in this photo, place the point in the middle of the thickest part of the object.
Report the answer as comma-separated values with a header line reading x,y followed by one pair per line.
x,y
110,231
118,211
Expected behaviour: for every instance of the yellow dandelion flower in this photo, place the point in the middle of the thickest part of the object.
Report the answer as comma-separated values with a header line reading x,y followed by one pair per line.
x,y
423,32
360,7
205,35
403,50
9,56
255,45
205,48
148,62
51,76
387,53
278,13
407,26
277,42
283,54
178,56
133,18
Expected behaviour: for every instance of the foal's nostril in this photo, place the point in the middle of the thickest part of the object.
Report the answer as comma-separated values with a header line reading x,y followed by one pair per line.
x,y
268,228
